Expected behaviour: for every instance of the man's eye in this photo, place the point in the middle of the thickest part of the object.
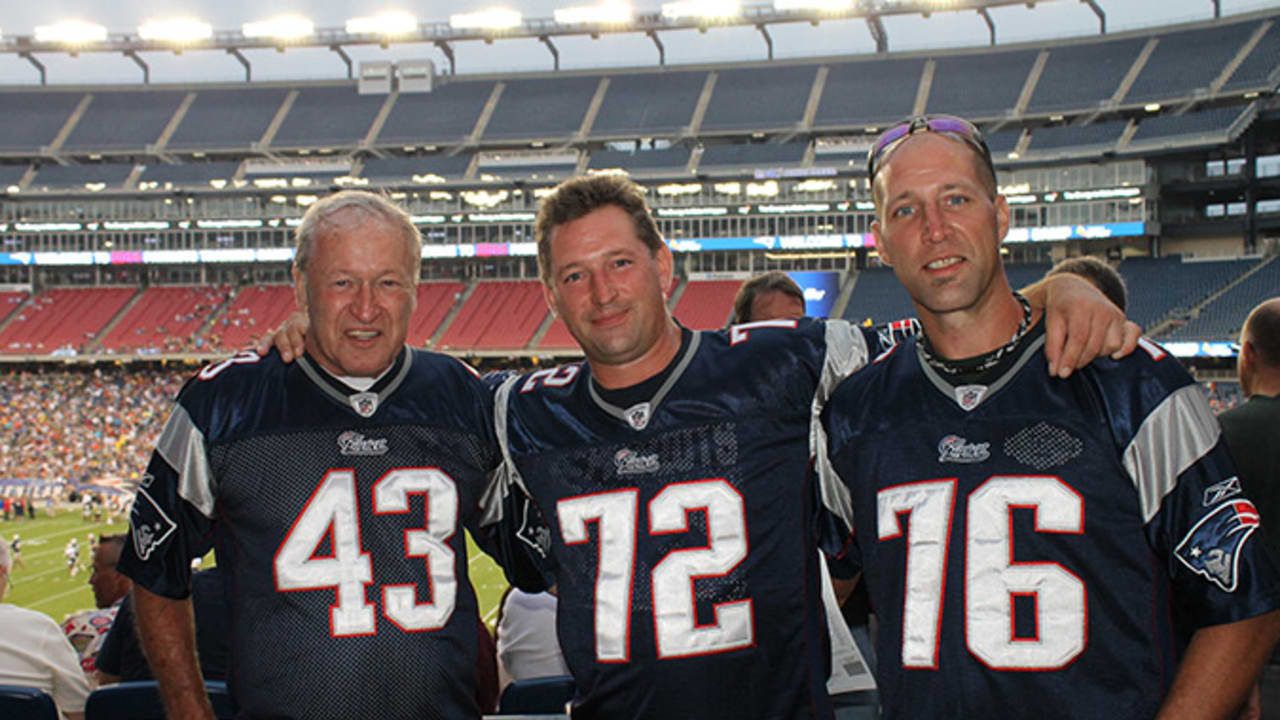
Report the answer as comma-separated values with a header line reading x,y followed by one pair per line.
x,y
903,211
571,278
957,200
621,262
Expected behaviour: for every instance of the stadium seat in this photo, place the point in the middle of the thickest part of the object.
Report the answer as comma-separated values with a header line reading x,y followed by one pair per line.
x,y
25,703
535,696
141,701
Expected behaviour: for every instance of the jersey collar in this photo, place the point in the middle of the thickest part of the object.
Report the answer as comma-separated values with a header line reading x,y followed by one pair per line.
x,y
970,396
364,403
637,416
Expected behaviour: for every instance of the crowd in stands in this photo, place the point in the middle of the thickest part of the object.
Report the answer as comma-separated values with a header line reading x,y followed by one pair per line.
x,y
82,425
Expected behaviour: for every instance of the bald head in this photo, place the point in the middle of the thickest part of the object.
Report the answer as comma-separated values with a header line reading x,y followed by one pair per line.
x,y
1259,360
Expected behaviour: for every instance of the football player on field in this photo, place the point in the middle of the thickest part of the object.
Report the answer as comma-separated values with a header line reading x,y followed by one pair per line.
x,y
335,490
1034,542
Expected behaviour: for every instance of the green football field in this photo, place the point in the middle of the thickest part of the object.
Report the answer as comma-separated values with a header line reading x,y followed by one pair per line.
x,y
42,581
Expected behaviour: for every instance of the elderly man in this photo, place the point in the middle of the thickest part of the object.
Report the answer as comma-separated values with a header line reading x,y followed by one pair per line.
x,y
335,489
35,653
1033,543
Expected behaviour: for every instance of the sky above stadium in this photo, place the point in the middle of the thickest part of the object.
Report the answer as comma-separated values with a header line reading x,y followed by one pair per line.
x,y
1052,19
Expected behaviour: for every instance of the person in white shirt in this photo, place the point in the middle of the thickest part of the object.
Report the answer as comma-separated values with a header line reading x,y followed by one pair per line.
x,y
527,644
35,653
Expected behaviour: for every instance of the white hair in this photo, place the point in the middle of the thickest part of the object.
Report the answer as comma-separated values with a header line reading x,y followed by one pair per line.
x,y
316,221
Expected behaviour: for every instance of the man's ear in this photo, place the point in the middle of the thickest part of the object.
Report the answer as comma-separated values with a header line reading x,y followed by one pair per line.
x,y
299,289
881,247
666,269
550,296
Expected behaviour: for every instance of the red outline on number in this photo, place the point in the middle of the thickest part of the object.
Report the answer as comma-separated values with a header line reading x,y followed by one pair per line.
x,y
333,543
595,585
692,591
426,559
742,332
1035,510
906,560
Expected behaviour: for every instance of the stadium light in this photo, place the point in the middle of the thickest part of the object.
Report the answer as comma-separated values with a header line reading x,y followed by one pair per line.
x,y
610,13
491,19
281,27
702,9
71,32
389,24
818,5
175,30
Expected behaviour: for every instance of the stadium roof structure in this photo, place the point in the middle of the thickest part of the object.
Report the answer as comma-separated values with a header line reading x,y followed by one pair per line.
x,y
444,34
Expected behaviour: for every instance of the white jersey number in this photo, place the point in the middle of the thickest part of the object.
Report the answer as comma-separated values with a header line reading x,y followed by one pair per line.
x,y
993,580
332,511
671,580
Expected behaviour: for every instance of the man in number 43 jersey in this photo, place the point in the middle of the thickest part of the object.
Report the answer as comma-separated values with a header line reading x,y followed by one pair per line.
x,y
335,489
1034,545
669,469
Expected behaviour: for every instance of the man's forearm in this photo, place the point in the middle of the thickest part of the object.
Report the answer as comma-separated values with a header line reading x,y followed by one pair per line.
x,y
1219,667
166,629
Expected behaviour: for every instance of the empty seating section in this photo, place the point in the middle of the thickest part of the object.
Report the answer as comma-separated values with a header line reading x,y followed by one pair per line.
x,y
435,300
76,177
62,319
165,319
124,119
404,168
227,119
447,114
542,108
648,103
558,337
1188,60
1001,142
878,296
497,315
753,154
328,117
1223,318
9,301
985,85
1211,125
1023,274
675,159
1260,66
194,174
706,304
255,310
1160,286
32,119
1084,75
873,92
11,175
1058,137
759,98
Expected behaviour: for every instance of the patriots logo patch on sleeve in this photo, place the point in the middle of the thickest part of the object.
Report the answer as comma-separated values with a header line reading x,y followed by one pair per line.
x,y
1212,547
151,527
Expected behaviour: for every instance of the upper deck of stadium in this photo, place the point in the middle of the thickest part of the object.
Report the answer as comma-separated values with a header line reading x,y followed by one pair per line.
x,y
1183,86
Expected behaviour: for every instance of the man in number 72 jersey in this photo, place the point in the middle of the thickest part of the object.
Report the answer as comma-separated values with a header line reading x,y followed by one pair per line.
x,y
335,490
1034,545
670,470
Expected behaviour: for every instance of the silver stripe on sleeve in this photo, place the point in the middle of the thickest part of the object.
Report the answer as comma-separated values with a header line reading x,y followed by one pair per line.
x,y
846,353
1180,431
501,478
182,446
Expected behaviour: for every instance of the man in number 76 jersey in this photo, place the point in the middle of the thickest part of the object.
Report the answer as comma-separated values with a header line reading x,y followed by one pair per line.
x,y
335,490
1034,546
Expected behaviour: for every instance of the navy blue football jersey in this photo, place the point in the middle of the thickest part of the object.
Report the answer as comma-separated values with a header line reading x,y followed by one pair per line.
x,y
338,519
1025,541
682,526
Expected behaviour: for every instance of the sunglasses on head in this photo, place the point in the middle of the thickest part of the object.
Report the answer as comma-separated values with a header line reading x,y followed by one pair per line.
x,y
942,124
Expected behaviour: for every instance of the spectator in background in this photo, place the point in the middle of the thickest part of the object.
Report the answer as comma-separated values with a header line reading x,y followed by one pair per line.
x,y
35,653
771,296
527,643
1103,276
121,658
1252,430
87,629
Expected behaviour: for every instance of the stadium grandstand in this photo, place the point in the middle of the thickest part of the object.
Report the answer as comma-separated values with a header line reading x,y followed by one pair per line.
x,y
152,223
